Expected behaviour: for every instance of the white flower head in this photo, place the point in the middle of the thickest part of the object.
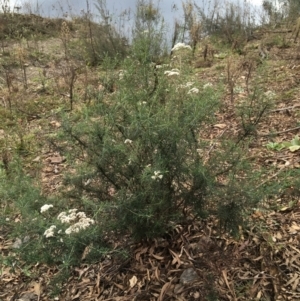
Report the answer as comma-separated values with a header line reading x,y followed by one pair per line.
x,y
45,208
194,91
64,218
171,73
128,141
121,74
181,46
142,103
207,85
80,215
78,221
157,175
50,232
188,84
82,224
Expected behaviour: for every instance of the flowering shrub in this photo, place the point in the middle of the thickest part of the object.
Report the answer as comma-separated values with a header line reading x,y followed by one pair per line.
x,y
142,162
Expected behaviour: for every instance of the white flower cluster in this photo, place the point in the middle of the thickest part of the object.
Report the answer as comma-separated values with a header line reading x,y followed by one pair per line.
x,y
157,175
78,219
187,85
121,74
173,72
128,141
193,91
45,208
207,85
162,66
50,232
181,46
82,222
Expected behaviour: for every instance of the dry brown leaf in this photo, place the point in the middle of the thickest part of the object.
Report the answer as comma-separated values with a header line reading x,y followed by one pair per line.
x,y
37,289
140,252
294,228
196,295
176,259
224,273
220,125
121,287
258,296
295,284
164,289
156,273
133,281
158,257
56,159
295,276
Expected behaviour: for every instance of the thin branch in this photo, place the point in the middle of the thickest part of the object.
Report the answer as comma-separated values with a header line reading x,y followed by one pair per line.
x,y
283,109
270,178
281,132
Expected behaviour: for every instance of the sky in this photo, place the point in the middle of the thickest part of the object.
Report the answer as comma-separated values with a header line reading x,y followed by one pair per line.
x,y
54,8
170,9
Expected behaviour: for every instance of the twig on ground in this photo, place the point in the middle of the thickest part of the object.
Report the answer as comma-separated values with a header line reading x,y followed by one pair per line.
x,y
281,132
214,143
270,178
283,109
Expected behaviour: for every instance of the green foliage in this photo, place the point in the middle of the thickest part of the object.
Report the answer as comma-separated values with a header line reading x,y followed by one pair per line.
x,y
142,154
292,145
275,146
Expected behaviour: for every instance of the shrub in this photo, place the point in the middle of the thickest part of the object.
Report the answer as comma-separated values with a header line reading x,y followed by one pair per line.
x,y
141,149
98,39
232,23
144,161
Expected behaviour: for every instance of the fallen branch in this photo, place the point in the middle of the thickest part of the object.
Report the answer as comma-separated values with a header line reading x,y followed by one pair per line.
x,y
281,132
283,109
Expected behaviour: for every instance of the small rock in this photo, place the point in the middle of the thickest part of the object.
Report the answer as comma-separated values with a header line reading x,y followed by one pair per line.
x,y
56,160
189,275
